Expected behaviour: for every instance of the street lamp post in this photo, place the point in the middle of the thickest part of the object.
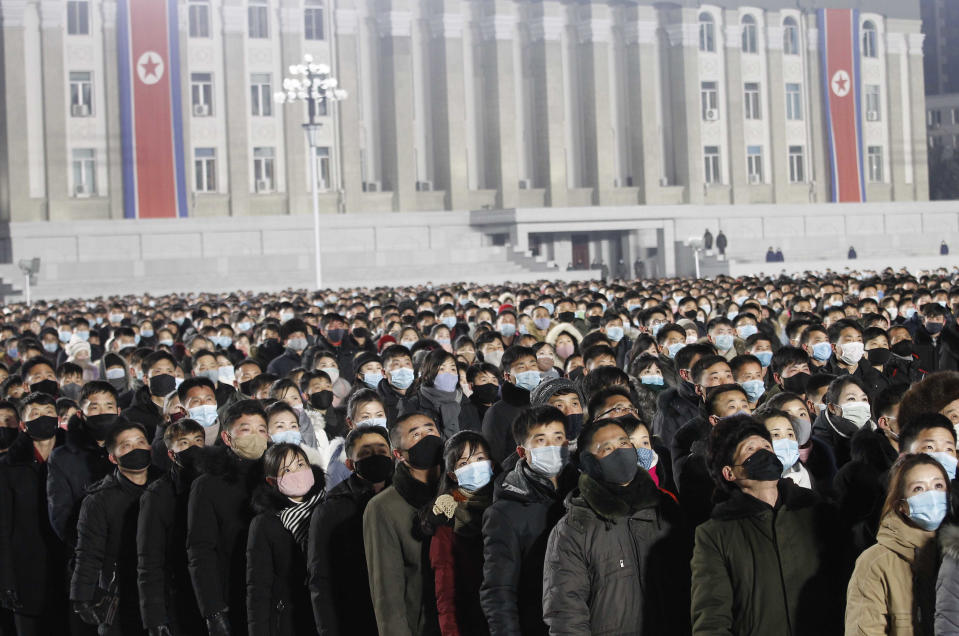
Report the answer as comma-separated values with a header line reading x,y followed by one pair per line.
x,y
312,83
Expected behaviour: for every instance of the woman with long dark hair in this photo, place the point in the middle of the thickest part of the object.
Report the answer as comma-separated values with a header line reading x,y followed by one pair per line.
x,y
437,393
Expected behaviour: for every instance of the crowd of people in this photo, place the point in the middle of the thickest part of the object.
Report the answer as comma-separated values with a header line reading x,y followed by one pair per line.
x,y
728,456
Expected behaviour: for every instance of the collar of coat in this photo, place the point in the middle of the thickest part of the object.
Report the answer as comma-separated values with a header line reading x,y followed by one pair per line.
x,y
267,498
21,451
413,491
907,541
515,395
949,540
740,505
611,504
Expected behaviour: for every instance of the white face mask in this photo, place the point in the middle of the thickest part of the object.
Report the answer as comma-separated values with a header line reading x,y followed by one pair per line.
x,y
333,372
856,412
852,352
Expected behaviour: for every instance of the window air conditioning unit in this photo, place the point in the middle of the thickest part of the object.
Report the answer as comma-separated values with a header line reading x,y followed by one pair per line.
x,y
201,110
663,182
372,186
872,115
80,110
754,179
525,184
81,190
424,186
263,185
712,114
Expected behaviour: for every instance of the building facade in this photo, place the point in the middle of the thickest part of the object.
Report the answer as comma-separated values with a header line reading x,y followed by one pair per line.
x,y
456,105
940,24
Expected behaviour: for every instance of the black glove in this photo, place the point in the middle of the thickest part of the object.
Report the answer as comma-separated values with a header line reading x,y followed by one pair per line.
x,y
161,630
9,600
87,612
218,624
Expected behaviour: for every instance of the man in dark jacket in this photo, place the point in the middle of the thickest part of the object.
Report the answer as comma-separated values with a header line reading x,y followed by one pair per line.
x,y
31,556
293,336
678,405
620,533
146,408
769,561
219,515
845,336
527,504
519,371
166,594
103,587
339,581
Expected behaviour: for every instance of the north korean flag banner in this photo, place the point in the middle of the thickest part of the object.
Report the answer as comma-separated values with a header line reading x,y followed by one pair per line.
x,y
839,52
151,115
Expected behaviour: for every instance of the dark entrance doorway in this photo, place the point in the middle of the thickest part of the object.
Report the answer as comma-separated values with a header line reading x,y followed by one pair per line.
x,y
580,251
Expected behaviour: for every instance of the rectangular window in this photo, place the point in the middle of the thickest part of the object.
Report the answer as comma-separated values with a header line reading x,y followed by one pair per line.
x,y
204,169
201,91
259,19
955,116
791,39
794,102
751,101
84,172
323,168
707,34
78,17
81,94
934,118
711,166
874,153
754,163
261,95
313,20
709,92
797,164
264,169
199,19
873,102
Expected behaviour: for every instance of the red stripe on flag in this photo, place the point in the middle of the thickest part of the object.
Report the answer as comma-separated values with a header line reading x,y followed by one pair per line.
x,y
152,117
841,75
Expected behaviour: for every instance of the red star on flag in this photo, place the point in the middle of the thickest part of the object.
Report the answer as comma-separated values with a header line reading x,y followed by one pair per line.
x,y
150,67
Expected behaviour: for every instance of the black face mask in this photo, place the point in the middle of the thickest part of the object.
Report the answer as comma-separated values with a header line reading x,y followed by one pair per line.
x,y
763,465
41,428
486,393
691,314
594,321
50,387
360,332
162,385
375,468
187,458
796,383
321,400
426,453
574,423
408,319
619,467
576,373
100,425
566,316
903,348
246,387
878,356
72,391
335,335
7,436
137,459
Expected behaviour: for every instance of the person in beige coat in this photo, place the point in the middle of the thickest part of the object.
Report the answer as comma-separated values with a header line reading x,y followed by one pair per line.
x,y
892,590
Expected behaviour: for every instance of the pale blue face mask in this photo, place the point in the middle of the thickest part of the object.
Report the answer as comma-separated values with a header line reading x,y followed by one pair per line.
x,y
652,380
745,331
549,307
764,357
948,462
928,509
645,457
787,450
754,389
615,333
508,330
674,348
372,379
655,329
528,380
473,477
205,414
401,378
821,351
724,342
287,437
449,321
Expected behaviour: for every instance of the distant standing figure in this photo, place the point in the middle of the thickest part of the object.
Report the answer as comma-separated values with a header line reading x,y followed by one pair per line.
x,y
770,255
721,243
943,249
708,239
638,268
779,255
852,253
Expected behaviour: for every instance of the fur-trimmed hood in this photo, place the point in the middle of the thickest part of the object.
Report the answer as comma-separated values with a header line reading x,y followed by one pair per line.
x,y
563,327
267,498
949,540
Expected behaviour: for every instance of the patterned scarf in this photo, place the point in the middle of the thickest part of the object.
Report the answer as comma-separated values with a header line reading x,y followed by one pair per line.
x,y
296,519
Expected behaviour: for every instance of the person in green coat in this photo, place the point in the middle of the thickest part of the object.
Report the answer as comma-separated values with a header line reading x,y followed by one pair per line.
x,y
769,560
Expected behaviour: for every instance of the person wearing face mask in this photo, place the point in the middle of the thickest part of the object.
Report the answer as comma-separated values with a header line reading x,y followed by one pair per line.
x,y
894,582
770,556
399,376
526,505
845,336
454,521
283,425
617,516
219,515
114,370
437,393
565,339
277,600
677,405
847,411
484,381
786,435
520,376
32,559
146,407
293,336
394,551
103,588
338,578
163,579
205,365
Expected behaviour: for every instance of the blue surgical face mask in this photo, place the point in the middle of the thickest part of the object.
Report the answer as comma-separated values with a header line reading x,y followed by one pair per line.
x,y
615,333
655,329
50,347
674,348
244,325
372,378
508,329
372,421
541,323
65,336
449,321
549,307
528,380
909,312
205,414
765,357
724,342
928,509
948,462
296,344
83,335
821,351
474,476
166,342
287,437
745,331
646,457
548,461
401,378
787,450
754,389
653,380
146,333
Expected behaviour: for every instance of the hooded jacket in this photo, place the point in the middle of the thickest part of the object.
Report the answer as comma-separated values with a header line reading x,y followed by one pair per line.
x,y
861,485
617,567
498,421
892,590
516,528
837,432
71,468
560,328
675,407
758,569
277,601
947,583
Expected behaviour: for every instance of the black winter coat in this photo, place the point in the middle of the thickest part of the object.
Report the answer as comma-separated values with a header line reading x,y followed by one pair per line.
x,y
874,380
218,521
516,528
693,480
166,593
949,347
71,468
498,421
106,554
143,411
339,581
32,558
825,429
282,365
277,599
861,485
469,419
391,400
675,407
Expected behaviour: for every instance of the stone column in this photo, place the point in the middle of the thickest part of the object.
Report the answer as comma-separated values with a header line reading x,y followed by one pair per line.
x,y
549,106
394,23
645,148
186,102
111,109
917,101
684,86
15,202
497,29
296,151
235,110
775,92
893,116
348,111
449,101
817,145
735,108
594,33
55,100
